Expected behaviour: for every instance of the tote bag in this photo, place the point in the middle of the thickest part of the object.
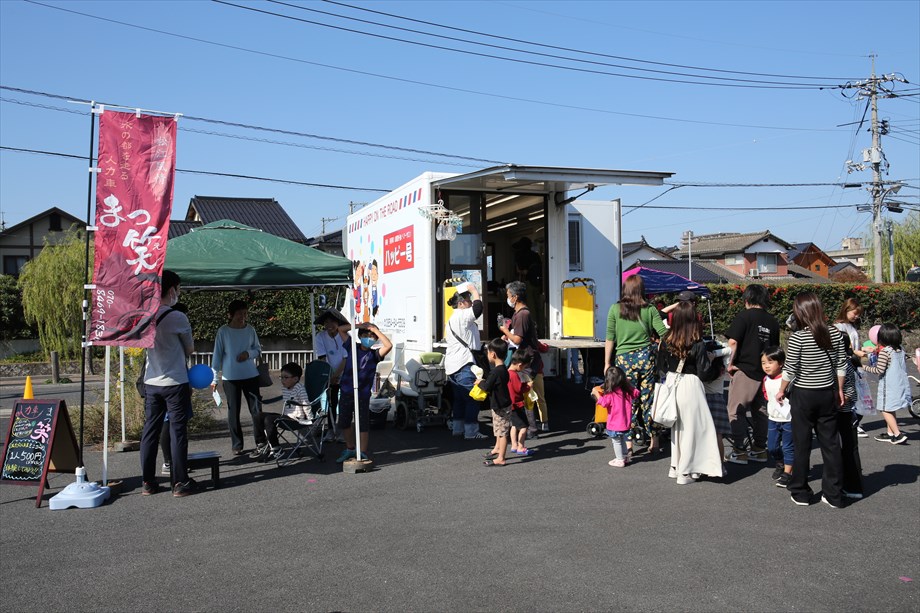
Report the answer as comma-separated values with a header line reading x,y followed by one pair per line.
x,y
664,406
864,404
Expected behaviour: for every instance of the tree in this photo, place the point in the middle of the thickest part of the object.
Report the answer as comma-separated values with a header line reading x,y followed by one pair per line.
x,y
12,323
906,237
52,294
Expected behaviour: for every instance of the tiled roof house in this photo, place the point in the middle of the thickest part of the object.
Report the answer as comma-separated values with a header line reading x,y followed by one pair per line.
x,y
754,254
266,214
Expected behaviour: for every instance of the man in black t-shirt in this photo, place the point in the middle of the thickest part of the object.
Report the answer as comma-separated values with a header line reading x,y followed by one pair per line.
x,y
752,330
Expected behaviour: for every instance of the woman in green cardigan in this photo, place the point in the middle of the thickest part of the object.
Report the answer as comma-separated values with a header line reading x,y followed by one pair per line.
x,y
630,325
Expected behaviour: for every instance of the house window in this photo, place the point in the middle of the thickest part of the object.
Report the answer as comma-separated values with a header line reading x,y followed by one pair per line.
x,y
12,264
54,222
817,268
575,243
766,262
733,259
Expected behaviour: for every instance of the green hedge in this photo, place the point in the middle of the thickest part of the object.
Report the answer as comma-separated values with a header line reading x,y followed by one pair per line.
x,y
279,313
897,303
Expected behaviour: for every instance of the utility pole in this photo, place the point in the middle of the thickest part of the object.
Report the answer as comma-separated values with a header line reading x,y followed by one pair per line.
x,y
874,157
324,220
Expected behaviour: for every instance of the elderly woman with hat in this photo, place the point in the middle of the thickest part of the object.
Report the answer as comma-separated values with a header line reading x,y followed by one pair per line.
x,y
462,338
327,346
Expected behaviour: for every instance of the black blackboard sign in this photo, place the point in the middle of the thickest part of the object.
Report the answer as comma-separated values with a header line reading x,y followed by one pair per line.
x,y
40,439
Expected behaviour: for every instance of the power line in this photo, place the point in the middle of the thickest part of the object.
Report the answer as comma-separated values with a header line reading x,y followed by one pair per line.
x,y
631,208
209,173
253,139
546,46
693,207
251,127
428,84
527,62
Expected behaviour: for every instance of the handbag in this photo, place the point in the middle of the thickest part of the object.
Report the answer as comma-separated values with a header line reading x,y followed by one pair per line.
x,y
864,404
478,394
664,405
265,379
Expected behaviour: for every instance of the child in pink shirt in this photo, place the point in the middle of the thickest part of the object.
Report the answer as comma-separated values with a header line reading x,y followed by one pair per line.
x,y
617,395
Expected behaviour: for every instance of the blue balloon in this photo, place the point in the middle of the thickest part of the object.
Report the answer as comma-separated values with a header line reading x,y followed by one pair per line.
x,y
200,376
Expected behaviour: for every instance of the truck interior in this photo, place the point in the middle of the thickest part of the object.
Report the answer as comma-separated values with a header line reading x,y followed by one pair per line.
x,y
501,206
490,245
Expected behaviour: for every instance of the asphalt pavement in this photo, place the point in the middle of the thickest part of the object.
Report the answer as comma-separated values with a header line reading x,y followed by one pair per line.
x,y
432,529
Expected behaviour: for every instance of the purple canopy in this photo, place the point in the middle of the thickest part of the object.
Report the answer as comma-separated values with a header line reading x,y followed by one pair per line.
x,y
658,282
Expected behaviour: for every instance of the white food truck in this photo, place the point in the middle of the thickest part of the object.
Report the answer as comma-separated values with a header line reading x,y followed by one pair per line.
x,y
409,248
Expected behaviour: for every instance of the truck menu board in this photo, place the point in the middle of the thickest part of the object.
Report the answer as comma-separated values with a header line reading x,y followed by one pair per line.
x,y
40,439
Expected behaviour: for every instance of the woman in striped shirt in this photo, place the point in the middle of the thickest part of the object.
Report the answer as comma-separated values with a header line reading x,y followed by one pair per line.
x,y
816,361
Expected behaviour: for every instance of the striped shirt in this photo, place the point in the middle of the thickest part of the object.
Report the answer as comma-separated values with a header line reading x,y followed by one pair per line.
x,y
810,366
884,357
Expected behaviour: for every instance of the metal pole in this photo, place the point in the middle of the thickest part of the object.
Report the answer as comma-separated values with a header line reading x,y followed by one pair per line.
x,y
890,227
89,210
105,417
121,389
354,373
690,254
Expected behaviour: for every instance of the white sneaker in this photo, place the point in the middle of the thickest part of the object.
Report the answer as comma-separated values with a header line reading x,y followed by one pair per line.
x,y
672,473
695,476
861,433
684,480
617,463
165,468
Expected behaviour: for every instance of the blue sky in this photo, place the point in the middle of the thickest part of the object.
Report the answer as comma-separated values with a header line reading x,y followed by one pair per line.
x,y
439,101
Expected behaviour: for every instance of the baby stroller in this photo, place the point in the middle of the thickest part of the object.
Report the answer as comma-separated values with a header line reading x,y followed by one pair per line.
x,y
420,391
295,435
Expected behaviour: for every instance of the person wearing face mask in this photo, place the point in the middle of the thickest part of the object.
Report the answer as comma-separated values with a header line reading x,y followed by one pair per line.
x,y
367,357
523,333
462,337
235,349
167,391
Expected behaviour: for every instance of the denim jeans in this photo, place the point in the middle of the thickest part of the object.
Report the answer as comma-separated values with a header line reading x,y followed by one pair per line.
x,y
465,408
779,441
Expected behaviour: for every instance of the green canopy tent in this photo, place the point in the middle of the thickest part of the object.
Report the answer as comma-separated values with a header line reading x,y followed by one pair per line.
x,y
227,255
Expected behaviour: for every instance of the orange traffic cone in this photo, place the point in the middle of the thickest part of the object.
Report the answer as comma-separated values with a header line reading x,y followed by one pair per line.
x,y
27,393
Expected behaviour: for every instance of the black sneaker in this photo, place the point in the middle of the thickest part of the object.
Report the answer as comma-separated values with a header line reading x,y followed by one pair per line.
x,y
783,480
150,488
897,439
778,471
884,438
184,489
803,501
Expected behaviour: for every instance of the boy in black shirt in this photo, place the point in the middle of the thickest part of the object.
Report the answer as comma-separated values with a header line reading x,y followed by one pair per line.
x,y
496,385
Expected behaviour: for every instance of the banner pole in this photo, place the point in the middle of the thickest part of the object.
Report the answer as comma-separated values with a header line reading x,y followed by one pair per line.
x,y
121,389
89,223
105,418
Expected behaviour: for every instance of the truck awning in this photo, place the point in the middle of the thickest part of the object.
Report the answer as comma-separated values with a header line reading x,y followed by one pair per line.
x,y
544,179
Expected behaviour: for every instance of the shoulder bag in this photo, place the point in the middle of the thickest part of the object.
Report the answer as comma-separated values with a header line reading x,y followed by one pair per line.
x,y
664,405
479,356
265,379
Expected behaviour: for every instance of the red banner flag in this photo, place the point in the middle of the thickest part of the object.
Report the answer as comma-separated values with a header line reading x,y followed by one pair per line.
x,y
134,191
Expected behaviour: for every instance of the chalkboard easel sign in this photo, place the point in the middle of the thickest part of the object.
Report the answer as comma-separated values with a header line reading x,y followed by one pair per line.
x,y
40,440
